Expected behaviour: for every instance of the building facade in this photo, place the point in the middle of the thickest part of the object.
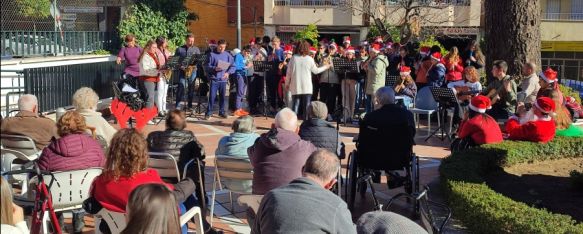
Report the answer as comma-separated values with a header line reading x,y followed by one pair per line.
x,y
562,37
217,20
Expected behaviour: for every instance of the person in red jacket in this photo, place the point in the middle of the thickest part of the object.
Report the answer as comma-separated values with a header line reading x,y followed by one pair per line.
x,y
453,65
74,150
479,126
539,128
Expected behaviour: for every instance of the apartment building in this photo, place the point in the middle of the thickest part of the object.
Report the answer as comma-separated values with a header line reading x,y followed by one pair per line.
x,y
217,20
562,36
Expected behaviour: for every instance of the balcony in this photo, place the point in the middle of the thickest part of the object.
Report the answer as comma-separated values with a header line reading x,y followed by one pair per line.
x,y
309,3
547,16
303,12
441,13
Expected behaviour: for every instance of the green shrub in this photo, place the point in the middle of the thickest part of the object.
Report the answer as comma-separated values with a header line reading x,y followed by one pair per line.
x,y
576,180
482,209
101,52
568,91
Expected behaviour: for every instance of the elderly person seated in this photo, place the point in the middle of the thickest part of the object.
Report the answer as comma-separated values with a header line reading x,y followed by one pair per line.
x,y
384,222
536,125
28,123
316,130
278,155
235,145
388,112
74,150
85,103
306,205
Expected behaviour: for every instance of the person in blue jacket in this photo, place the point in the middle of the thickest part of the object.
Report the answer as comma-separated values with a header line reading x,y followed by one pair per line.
x,y
218,77
240,81
436,74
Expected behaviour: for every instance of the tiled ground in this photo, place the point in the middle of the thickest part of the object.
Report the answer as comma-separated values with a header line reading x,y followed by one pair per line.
x,y
209,133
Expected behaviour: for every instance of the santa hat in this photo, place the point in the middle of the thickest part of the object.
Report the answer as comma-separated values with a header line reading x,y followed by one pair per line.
x,y
480,104
424,50
549,75
389,45
288,49
376,47
405,71
333,45
378,39
252,41
312,50
346,40
350,49
436,56
545,105
212,43
364,43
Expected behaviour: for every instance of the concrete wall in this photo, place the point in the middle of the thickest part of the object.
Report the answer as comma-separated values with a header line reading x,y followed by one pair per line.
x,y
303,15
562,31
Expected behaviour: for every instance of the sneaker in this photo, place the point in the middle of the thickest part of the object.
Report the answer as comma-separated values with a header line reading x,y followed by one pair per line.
x,y
207,117
240,112
151,122
223,115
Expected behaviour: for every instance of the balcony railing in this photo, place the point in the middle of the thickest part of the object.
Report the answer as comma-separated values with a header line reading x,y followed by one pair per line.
x,y
435,3
310,3
562,16
51,43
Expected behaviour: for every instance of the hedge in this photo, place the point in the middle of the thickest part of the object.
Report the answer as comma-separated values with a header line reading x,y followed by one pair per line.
x,y
482,209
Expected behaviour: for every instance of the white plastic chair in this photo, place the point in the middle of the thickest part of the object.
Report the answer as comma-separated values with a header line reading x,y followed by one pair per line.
x,y
69,189
233,168
16,160
20,143
117,222
424,105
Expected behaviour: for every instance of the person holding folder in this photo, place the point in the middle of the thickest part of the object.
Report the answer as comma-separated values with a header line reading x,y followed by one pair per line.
x,y
219,66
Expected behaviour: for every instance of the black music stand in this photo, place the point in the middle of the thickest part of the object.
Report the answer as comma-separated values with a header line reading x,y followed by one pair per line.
x,y
342,65
391,80
263,66
199,60
446,98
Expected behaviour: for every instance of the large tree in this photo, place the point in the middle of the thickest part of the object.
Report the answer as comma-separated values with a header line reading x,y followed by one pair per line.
x,y
512,33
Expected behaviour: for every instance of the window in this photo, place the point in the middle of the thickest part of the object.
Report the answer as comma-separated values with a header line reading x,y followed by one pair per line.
x,y
553,9
576,9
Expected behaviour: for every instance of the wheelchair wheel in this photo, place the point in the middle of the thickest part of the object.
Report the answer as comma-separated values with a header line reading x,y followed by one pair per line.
x,y
353,175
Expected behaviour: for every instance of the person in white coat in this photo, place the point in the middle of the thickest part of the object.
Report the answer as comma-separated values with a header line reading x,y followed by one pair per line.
x,y
299,73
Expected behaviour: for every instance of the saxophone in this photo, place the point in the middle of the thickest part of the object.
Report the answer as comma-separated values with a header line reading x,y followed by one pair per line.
x,y
167,74
188,70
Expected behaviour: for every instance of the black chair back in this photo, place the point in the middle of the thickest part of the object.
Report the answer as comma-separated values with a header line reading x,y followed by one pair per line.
x,y
384,147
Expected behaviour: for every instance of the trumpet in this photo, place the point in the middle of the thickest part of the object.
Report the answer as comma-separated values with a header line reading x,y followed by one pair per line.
x,y
188,70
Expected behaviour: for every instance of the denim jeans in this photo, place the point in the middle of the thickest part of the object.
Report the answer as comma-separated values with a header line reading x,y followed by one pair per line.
x,y
300,102
369,104
221,88
241,88
181,86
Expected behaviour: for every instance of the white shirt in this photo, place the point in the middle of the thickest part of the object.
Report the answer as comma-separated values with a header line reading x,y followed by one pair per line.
x,y
148,66
19,228
299,74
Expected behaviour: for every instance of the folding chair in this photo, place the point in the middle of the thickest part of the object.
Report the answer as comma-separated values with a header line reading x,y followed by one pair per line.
x,y
233,168
18,152
117,222
424,105
20,143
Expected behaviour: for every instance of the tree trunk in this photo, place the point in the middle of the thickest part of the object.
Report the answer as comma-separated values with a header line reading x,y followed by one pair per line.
x,y
512,33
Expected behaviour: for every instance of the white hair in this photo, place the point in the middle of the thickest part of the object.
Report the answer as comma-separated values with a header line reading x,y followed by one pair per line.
x,y
286,119
27,102
385,95
85,98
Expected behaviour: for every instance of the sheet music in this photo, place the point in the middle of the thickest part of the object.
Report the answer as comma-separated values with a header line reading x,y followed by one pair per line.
x,y
223,65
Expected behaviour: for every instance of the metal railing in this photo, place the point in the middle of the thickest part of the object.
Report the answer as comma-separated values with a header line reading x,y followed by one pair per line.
x,y
310,3
54,86
562,16
51,43
435,3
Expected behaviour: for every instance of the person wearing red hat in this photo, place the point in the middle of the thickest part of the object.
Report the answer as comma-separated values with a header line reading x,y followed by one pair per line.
x,y
313,51
425,64
276,56
376,70
540,128
329,81
252,42
346,42
548,82
401,59
405,86
348,85
477,127
436,74
281,90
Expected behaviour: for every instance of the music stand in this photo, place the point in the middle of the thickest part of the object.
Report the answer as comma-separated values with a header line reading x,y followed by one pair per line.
x,y
199,60
263,66
343,65
390,80
446,98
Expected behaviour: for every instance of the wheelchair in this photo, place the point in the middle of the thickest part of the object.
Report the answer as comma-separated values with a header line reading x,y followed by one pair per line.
x,y
386,148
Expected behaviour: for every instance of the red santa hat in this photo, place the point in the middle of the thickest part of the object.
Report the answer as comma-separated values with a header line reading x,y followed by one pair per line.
x,y
378,39
424,50
212,43
480,104
375,47
288,49
346,40
545,105
405,71
549,75
333,45
312,50
252,41
436,56
350,49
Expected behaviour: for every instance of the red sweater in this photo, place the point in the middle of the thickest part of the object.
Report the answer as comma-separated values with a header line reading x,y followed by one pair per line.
x,y
454,71
481,130
113,195
537,131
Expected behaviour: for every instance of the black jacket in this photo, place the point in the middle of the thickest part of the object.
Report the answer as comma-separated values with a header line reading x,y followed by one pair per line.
x,y
386,138
321,133
180,144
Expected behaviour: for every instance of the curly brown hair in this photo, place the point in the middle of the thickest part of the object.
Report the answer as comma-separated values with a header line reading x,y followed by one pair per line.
x,y
72,123
127,154
471,74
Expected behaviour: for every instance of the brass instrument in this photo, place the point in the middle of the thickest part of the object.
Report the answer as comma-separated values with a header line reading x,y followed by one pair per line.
x,y
188,70
167,74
